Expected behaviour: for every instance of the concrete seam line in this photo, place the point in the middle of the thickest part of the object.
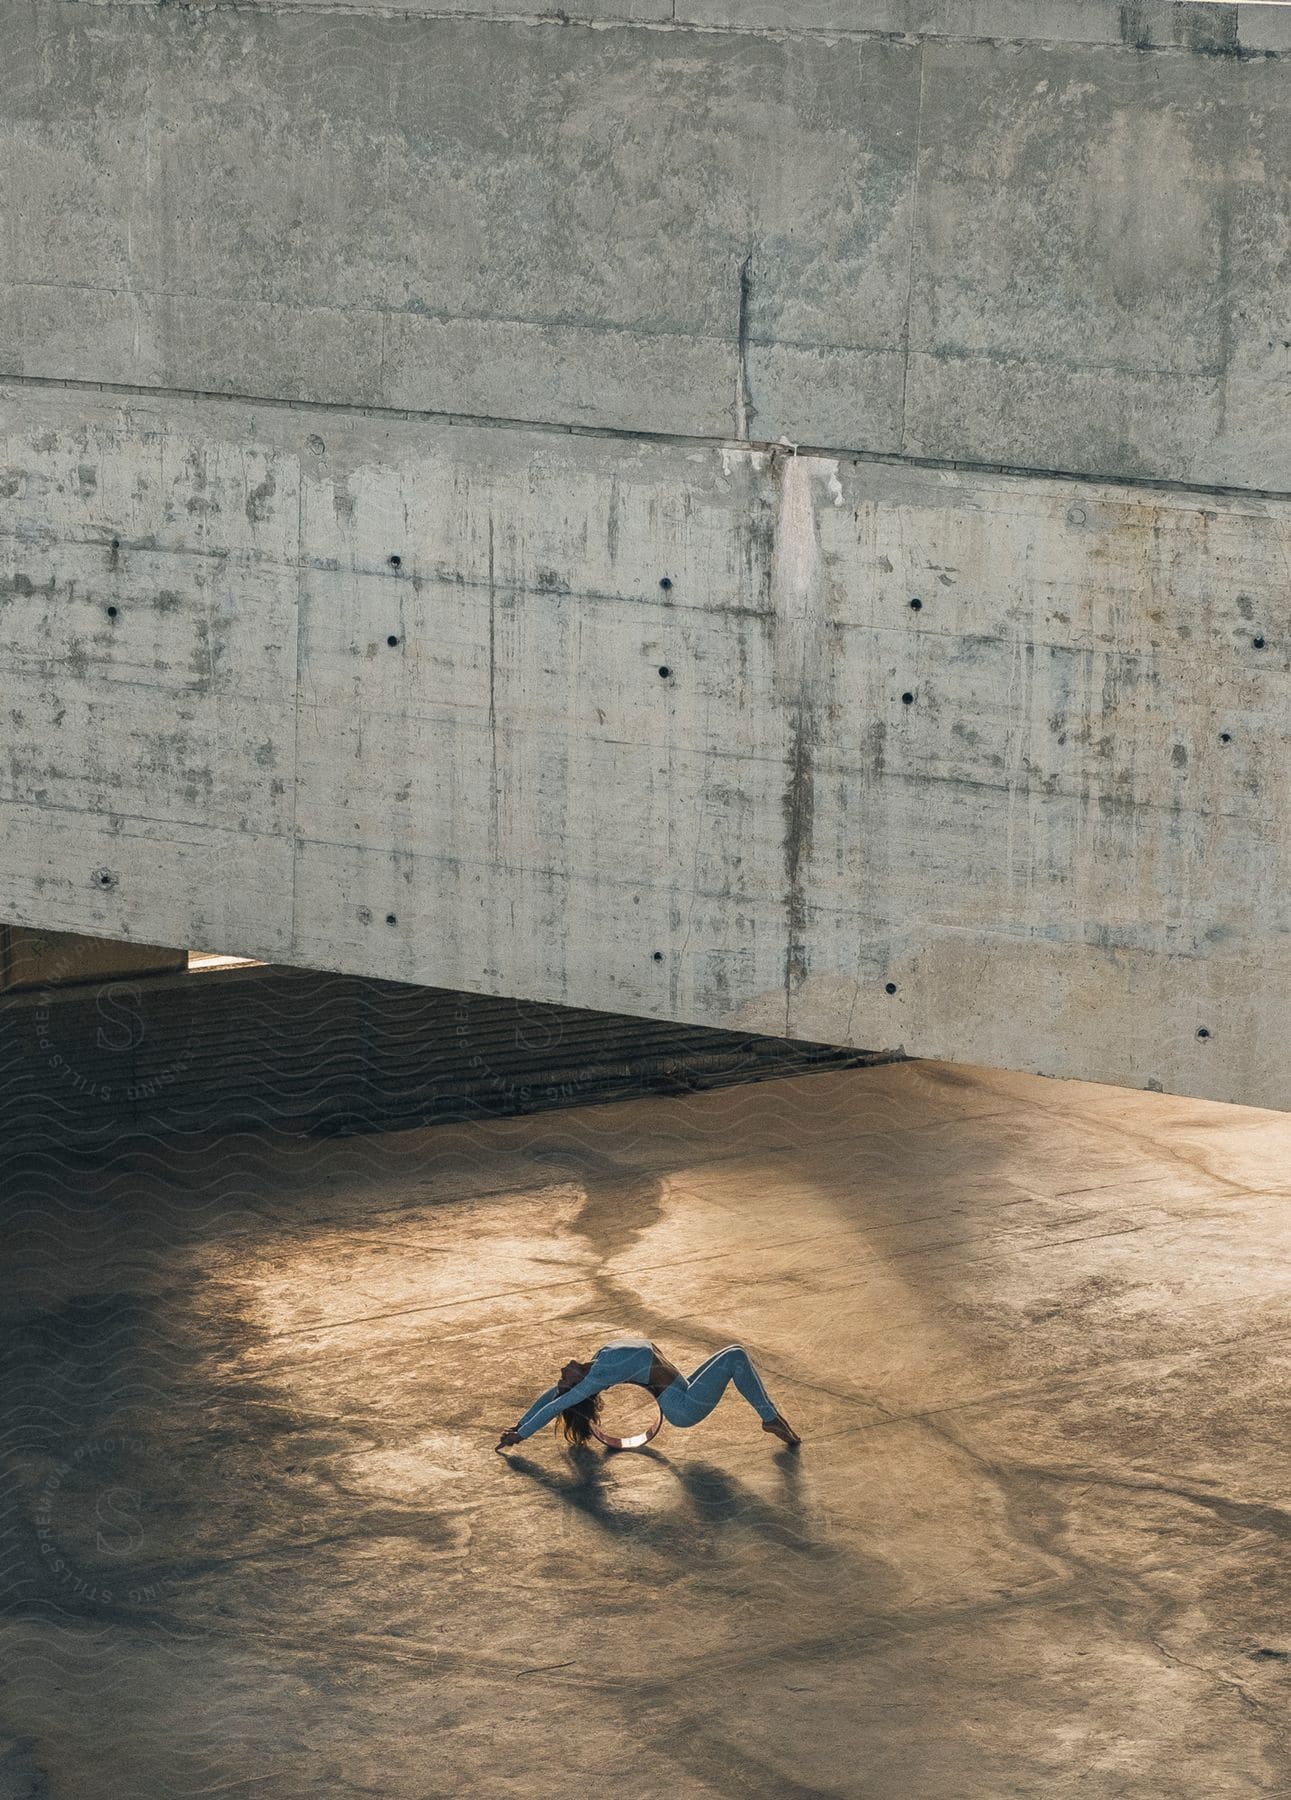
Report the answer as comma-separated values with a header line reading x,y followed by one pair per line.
x,y
625,434
285,9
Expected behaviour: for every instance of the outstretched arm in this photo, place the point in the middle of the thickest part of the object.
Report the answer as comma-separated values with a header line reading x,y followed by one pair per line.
x,y
548,1405
522,1423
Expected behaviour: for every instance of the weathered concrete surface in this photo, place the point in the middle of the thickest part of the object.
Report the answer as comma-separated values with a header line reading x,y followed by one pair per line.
x,y
1035,1544
1069,849
1101,266
1067,257
639,742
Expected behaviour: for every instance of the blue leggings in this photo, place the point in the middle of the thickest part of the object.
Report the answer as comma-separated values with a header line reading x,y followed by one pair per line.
x,y
686,1402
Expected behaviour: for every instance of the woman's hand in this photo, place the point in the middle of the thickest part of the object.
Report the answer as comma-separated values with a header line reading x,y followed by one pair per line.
x,y
507,1439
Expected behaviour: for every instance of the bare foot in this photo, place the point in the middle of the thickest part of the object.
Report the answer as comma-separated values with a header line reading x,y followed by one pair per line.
x,y
782,1429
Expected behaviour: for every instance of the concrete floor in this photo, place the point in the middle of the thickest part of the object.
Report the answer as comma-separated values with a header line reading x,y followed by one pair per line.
x,y
1036,1543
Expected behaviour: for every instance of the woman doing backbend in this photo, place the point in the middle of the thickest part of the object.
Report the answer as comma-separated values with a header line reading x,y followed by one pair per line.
x,y
576,1397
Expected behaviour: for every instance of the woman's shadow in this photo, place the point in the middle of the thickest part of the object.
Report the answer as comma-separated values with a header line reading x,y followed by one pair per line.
x,y
710,1503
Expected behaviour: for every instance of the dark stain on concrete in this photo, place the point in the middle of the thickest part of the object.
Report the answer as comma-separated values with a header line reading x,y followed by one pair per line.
x,y
258,507
1208,30
758,545
799,804
745,411
612,519
204,657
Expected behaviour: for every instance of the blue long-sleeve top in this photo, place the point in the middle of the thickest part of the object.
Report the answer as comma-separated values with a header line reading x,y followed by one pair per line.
x,y
626,1359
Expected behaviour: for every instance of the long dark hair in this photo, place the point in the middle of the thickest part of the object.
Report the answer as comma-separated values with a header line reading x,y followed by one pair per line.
x,y
576,1421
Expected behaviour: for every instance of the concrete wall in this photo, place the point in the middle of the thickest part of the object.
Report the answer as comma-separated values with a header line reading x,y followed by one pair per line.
x,y
526,306
1055,256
